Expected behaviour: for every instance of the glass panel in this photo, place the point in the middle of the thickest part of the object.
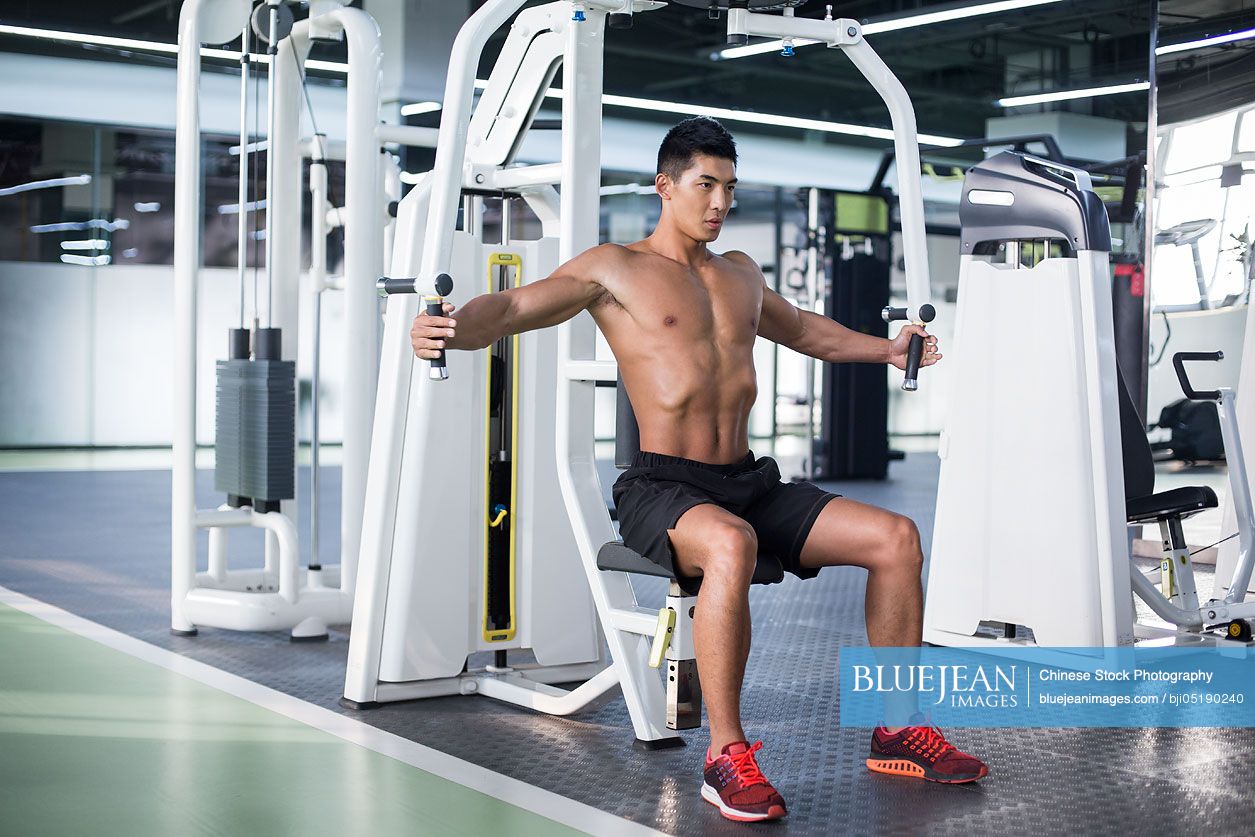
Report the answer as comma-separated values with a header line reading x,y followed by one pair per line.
x,y
1203,208
53,185
20,147
144,196
1202,143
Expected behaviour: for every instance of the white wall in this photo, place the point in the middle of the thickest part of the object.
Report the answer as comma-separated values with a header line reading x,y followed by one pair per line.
x,y
46,340
86,354
134,95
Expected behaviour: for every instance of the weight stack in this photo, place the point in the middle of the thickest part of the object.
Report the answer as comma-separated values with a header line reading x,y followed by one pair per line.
x,y
256,426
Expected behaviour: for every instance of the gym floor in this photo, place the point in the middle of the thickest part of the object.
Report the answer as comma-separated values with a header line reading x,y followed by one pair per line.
x,y
108,724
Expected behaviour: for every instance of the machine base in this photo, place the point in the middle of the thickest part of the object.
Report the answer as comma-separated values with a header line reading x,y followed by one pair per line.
x,y
658,744
359,704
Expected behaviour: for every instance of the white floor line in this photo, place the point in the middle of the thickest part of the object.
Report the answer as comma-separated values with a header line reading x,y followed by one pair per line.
x,y
558,808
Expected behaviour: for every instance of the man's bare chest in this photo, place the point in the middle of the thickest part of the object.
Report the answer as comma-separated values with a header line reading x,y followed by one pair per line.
x,y
720,308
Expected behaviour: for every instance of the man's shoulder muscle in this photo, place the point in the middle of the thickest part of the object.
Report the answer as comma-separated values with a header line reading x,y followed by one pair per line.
x,y
742,259
601,265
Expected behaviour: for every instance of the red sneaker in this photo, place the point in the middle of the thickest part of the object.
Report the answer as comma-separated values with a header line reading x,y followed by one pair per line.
x,y
738,787
922,752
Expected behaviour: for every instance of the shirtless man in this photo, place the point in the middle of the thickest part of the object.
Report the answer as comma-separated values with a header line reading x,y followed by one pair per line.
x,y
681,321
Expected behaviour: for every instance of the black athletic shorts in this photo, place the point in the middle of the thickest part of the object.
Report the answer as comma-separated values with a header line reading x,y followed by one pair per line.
x,y
657,489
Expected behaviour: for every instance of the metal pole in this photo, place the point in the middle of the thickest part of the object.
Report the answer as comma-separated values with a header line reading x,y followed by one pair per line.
x,y
318,282
273,49
1148,210
242,226
775,347
506,203
812,285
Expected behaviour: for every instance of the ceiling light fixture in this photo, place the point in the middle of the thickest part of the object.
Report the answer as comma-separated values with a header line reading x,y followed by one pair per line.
x,y
1065,95
86,244
756,118
86,261
878,26
234,208
251,148
51,183
154,46
93,224
420,107
1206,42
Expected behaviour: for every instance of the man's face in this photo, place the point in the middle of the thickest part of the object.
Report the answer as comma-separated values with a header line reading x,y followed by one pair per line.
x,y
702,196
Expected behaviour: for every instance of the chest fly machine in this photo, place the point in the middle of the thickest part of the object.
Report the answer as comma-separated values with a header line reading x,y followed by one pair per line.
x,y
485,527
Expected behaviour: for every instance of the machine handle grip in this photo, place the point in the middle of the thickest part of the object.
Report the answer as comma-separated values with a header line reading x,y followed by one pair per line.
x,y
914,353
435,308
925,314
1178,363
389,285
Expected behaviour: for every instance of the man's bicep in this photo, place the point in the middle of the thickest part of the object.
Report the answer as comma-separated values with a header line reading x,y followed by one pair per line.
x,y
550,301
781,321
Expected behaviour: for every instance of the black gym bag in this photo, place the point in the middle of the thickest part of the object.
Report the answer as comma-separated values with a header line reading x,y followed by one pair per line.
x,y
1195,428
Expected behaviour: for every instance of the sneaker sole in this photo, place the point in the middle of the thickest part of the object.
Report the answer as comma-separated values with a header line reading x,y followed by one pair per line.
x,y
908,768
712,796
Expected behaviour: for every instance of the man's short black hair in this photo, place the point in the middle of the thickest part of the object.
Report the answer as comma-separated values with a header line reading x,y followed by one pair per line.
x,y
693,136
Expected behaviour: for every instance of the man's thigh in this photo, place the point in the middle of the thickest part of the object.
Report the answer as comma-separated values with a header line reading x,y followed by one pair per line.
x,y
848,532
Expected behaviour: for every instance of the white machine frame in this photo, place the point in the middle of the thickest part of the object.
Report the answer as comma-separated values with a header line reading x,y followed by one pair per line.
x,y
415,591
281,595
1179,603
991,560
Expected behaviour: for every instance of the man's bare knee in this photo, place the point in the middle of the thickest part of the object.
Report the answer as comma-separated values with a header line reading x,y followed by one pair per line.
x,y
902,545
732,552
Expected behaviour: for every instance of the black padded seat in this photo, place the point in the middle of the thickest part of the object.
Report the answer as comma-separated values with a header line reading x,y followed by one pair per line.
x,y
616,556
1179,502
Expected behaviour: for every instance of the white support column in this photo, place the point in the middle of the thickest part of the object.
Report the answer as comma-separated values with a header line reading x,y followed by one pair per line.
x,y
379,509
910,188
1231,553
363,265
187,211
577,471
847,35
446,179
283,219
424,240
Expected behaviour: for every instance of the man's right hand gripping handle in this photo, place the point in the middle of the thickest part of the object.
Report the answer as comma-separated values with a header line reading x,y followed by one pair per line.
x,y
430,329
916,351
429,332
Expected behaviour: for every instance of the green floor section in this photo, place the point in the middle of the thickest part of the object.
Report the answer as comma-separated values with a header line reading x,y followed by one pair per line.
x,y
94,742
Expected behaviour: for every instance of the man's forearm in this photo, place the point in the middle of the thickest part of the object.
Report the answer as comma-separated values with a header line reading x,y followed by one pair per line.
x,y
481,322
834,343
857,347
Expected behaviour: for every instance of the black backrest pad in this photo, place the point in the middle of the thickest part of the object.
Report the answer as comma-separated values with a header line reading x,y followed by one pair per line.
x,y
1139,464
627,439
